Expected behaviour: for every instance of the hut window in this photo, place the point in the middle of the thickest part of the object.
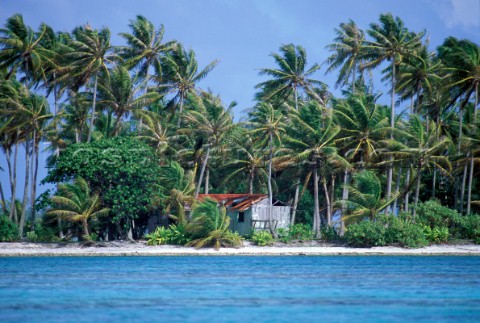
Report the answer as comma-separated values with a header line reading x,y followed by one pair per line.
x,y
241,216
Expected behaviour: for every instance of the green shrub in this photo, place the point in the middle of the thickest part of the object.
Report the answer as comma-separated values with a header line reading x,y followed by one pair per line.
x,y
400,231
41,233
262,238
366,234
178,235
32,236
470,226
433,214
300,231
8,230
329,234
160,236
437,234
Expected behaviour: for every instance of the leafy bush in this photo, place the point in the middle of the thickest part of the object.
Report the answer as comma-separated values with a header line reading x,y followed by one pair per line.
x,y
160,236
433,214
42,233
329,234
298,231
178,235
366,234
8,230
470,226
437,234
403,232
262,238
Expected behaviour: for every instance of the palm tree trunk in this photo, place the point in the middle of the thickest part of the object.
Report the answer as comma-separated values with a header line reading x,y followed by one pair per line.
x,y
250,183
92,119
407,193
85,228
316,204
34,177
295,203
202,172
4,202
397,188
344,203
207,179
392,126
332,197
434,181
462,189
472,164
417,192
117,125
25,189
12,182
296,97
460,131
327,201
180,110
270,190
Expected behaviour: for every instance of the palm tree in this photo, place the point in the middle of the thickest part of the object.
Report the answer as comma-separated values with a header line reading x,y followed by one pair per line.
x,y
177,191
347,53
249,161
75,202
118,93
290,77
268,125
144,48
310,139
90,53
462,60
211,122
209,226
181,75
158,134
21,49
425,150
365,196
391,42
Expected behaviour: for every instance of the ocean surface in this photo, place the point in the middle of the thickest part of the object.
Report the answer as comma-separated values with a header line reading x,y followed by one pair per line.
x,y
240,289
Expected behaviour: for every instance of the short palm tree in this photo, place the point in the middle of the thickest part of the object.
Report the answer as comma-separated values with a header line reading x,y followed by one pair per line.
x,y
209,226
365,197
75,202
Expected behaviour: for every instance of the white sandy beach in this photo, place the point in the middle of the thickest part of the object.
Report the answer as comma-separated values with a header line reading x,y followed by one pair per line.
x,y
140,248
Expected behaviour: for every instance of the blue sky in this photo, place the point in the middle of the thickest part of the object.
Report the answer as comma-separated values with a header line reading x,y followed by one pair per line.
x,y
242,33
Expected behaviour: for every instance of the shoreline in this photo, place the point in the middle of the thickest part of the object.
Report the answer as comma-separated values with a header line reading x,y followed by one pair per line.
x,y
103,249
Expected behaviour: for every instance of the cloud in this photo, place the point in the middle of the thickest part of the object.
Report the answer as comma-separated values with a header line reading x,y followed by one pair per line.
x,y
465,13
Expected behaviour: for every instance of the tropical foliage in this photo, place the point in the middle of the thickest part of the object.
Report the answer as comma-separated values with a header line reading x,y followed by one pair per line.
x,y
128,129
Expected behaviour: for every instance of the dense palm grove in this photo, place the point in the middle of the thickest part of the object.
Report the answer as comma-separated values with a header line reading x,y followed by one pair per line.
x,y
130,134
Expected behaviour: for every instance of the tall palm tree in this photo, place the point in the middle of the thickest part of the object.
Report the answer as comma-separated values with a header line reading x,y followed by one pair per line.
x,y
425,150
180,75
268,125
211,122
462,60
90,54
391,42
291,76
75,202
119,93
347,54
310,139
21,49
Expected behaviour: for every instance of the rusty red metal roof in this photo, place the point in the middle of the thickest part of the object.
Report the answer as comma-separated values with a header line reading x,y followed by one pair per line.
x,y
238,202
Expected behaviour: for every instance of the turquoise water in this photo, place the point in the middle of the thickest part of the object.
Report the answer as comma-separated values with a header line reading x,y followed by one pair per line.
x,y
246,289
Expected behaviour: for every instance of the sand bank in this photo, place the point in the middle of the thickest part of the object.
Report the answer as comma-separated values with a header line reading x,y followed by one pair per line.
x,y
140,248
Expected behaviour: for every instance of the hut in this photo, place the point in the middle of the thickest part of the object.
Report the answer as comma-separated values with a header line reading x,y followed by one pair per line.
x,y
249,212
